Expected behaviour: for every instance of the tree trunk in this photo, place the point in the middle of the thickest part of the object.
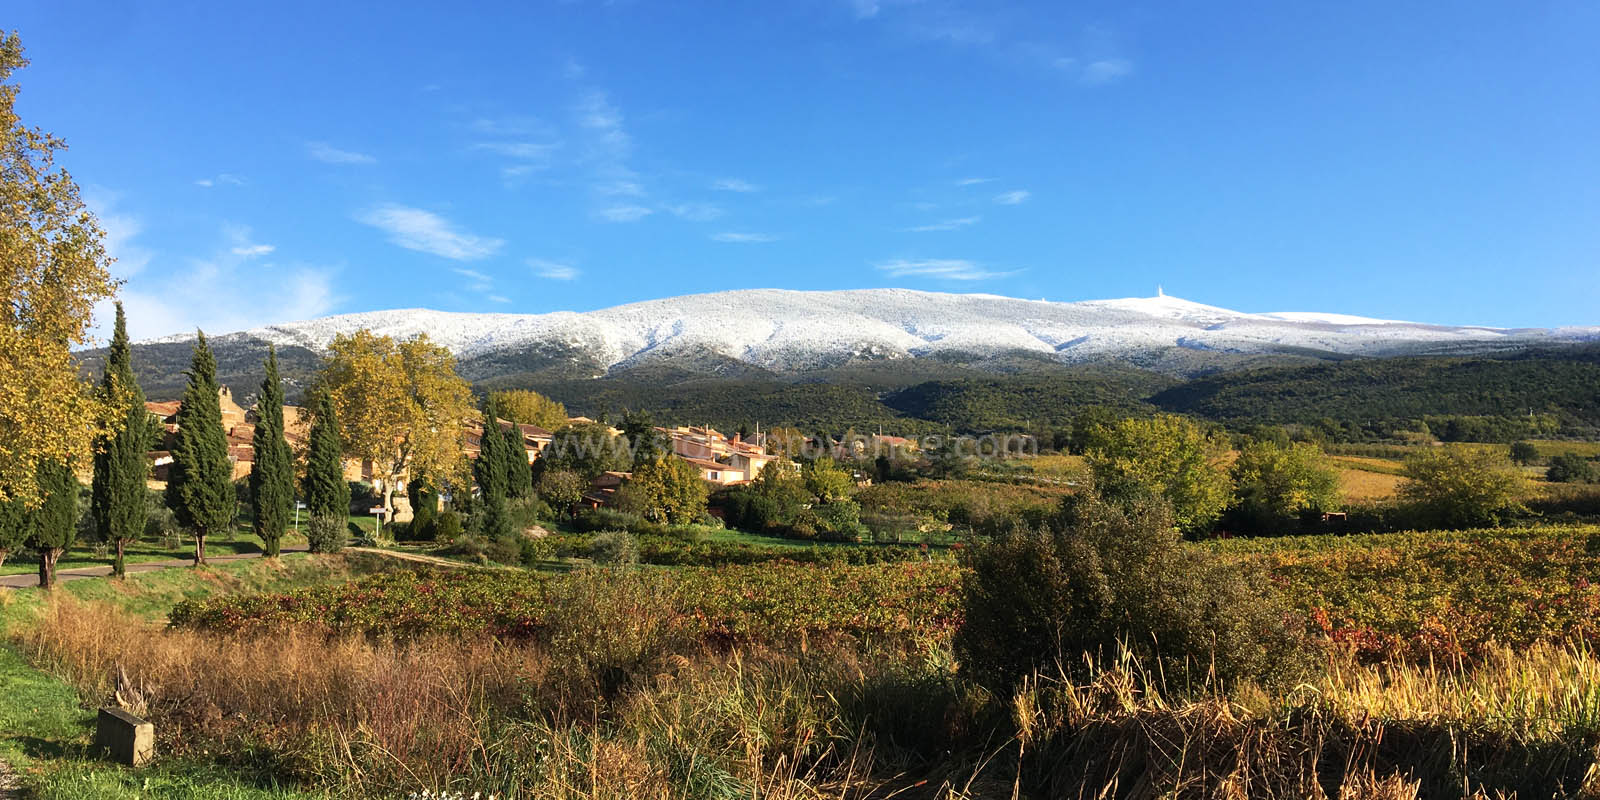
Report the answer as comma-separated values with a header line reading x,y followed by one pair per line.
x,y
47,566
119,567
3,554
199,549
388,507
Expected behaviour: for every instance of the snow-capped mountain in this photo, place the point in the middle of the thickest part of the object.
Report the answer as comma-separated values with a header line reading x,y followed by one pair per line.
x,y
786,331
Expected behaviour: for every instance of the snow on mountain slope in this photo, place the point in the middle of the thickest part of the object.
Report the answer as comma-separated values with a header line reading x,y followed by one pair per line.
x,y
791,330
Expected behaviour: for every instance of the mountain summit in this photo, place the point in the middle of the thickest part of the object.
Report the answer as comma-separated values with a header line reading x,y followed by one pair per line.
x,y
796,331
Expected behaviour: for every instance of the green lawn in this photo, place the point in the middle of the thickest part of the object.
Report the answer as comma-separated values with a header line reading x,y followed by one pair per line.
x,y
239,540
45,729
732,536
45,733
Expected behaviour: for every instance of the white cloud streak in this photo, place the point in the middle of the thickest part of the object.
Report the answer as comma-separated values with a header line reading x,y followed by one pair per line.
x,y
624,213
552,270
225,179
946,225
744,238
952,269
1013,198
695,212
1106,70
427,232
231,289
328,154
734,185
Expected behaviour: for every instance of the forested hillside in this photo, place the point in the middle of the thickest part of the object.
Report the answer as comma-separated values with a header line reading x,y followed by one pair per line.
x,y
1563,383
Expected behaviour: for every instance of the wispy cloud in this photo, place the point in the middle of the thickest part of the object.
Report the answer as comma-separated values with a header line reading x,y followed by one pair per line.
x,y
526,151
974,181
1013,198
695,212
946,225
734,185
603,120
553,270
1094,60
328,154
512,127
479,281
122,229
427,232
497,298
624,213
744,238
242,243
185,294
951,269
620,188
225,179
1105,70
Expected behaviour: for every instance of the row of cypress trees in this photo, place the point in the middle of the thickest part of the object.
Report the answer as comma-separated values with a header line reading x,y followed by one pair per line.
x,y
501,469
199,481
199,486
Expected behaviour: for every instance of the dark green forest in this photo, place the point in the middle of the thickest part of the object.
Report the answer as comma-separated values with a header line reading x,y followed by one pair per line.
x,y
1544,392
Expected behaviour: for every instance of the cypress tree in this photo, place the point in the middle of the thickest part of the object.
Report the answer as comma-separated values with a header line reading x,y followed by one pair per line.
x,y
200,479
424,506
272,477
53,524
117,500
327,495
519,473
489,470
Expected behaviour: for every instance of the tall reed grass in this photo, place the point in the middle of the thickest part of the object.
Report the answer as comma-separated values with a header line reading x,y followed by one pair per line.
x,y
620,706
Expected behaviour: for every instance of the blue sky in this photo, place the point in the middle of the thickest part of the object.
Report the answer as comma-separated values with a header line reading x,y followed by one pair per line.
x,y
1429,161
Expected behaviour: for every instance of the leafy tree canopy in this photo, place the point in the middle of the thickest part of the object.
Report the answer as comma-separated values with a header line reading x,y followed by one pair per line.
x,y
53,270
1169,456
531,408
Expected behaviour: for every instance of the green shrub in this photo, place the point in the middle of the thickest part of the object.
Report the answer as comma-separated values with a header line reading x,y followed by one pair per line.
x,y
615,548
605,519
1463,487
840,521
526,512
1103,578
1572,468
447,526
326,534
505,549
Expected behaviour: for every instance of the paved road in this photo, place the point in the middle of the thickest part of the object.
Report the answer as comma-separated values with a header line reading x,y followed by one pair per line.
x,y
82,573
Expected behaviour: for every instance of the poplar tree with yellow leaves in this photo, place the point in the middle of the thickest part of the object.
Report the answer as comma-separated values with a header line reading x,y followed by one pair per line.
x,y
53,270
400,405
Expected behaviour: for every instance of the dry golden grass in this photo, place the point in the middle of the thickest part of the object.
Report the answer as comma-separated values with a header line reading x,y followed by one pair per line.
x,y
372,718
1361,485
1387,466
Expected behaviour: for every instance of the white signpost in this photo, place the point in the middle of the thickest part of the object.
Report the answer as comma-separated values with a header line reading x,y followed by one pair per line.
x,y
378,512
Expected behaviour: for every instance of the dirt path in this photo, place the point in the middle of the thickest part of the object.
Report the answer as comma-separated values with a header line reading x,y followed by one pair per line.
x,y
430,560
27,579
9,785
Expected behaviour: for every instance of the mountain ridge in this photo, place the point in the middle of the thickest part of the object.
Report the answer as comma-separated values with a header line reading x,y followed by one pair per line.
x,y
792,331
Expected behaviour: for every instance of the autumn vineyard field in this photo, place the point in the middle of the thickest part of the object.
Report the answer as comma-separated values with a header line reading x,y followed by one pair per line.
x,y
1453,662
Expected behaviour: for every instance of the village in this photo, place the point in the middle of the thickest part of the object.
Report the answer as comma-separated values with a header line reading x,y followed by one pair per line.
x,y
719,459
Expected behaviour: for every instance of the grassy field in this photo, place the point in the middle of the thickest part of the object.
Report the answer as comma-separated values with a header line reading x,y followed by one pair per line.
x,y
1451,659
46,726
1359,485
239,540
